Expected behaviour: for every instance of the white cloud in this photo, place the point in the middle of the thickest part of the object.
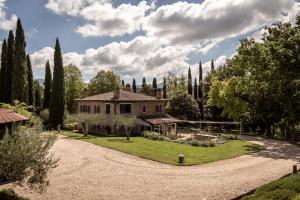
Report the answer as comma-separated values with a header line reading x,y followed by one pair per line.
x,y
6,24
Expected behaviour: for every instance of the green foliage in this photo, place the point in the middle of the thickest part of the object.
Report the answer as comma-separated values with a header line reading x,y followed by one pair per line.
x,y
134,85
25,157
44,115
57,99
195,89
73,86
10,67
30,82
37,95
20,70
104,81
154,86
128,122
3,72
165,88
9,194
190,87
182,106
20,108
286,188
48,84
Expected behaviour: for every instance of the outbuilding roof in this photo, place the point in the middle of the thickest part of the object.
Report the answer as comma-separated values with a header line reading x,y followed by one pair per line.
x,y
124,96
8,116
159,119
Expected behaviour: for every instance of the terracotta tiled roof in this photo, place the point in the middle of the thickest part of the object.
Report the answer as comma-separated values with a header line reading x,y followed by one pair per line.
x,y
159,119
124,96
8,116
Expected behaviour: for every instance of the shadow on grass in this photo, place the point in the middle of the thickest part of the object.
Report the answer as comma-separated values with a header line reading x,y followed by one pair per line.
x,y
119,140
254,148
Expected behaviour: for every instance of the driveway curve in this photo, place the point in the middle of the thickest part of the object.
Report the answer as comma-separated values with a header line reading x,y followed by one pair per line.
x,y
87,171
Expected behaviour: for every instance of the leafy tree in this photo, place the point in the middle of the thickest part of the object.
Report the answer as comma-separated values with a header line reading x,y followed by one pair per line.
x,y
190,87
28,160
20,83
48,85
165,88
30,82
104,81
10,66
154,86
73,86
57,99
172,86
128,122
37,94
3,71
182,106
195,89
134,85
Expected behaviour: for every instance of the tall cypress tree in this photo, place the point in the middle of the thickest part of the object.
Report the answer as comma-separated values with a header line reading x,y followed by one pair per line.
x,y
19,83
134,85
57,99
3,71
37,94
212,67
154,86
10,66
144,85
190,87
195,89
123,83
30,82
165,88
200,91
47,84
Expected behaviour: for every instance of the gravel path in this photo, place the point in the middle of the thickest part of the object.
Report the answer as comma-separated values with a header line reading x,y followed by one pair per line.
x,y
87,171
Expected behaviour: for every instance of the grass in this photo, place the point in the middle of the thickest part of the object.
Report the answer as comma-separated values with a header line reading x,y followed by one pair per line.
x,y
287,188
167,152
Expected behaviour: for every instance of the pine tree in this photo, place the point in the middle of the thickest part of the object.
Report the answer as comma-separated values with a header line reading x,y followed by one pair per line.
x,y
134,85
30,82
19,83
190,87
37,95
3,71
212,67
165,88
154,86
200,91
195,89
47,84
57,99
10,66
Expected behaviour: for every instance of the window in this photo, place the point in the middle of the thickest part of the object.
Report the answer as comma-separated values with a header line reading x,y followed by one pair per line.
x,y
144,109
125,108
96,109
157,108
85,109
107,106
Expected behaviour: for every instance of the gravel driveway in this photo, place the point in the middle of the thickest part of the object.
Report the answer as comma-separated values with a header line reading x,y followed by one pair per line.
x,y
87,171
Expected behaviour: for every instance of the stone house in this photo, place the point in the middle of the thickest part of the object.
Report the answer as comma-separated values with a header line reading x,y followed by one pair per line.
x,y
150,111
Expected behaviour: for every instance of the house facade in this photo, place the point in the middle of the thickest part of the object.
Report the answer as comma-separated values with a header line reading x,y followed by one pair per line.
x,y
150,111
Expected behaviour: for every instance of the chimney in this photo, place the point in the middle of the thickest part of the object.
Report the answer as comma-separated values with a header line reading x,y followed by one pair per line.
x,y
158,93
117,94
127,87
85,93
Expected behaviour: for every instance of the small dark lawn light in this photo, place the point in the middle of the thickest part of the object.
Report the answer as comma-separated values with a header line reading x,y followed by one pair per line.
x,y
180,158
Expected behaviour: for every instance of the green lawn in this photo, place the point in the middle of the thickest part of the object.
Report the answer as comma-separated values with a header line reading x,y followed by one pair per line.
x,y
287,188
167,152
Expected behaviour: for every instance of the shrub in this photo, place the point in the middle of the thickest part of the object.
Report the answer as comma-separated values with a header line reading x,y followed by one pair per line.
x,y
229,137
155,136
44,115
9,194
195,143
25,157
70,126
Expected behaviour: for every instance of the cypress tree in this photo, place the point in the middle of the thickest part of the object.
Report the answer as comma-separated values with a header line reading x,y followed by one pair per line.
x,y
212,67
134,85
123,84
19,83
154,86
30,82
47,84
57,99
3,71
200,90
10,66
144,85
37,95
195,89
165,88
190,87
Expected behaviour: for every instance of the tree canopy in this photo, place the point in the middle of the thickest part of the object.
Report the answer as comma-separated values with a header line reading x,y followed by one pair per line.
x,y
104,81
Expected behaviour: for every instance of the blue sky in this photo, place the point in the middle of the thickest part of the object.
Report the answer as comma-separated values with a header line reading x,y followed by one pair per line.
x,y
140,38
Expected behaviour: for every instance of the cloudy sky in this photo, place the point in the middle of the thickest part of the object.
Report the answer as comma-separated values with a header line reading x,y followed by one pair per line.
x,y
140,38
